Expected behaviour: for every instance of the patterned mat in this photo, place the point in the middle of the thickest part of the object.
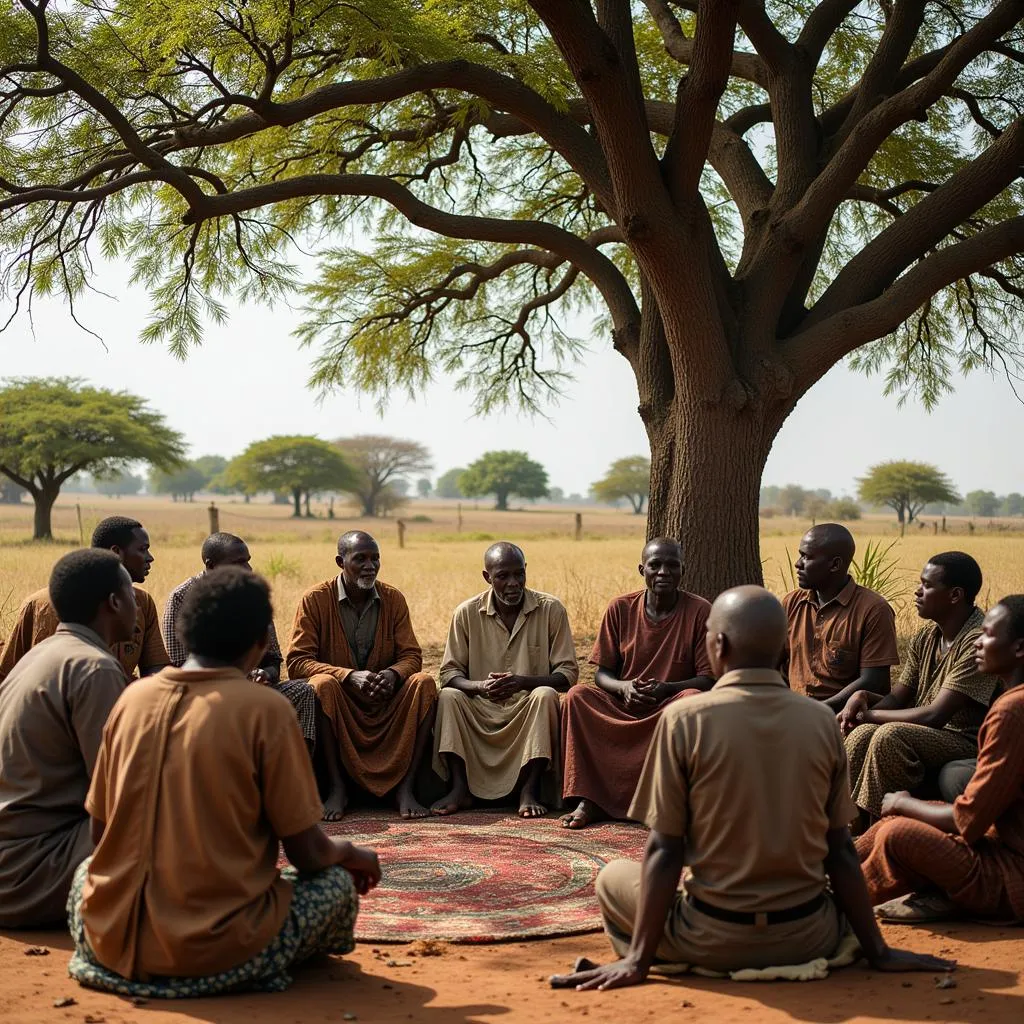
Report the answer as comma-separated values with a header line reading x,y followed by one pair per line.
x,y
483,876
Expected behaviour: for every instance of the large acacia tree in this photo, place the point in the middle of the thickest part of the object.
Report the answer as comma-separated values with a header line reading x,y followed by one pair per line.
x,y
751,190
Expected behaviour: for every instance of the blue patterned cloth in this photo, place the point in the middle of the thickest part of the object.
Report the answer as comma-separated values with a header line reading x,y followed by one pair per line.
x,y
321,919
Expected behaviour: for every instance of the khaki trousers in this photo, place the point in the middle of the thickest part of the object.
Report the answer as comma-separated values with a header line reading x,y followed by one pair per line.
x,y
693,938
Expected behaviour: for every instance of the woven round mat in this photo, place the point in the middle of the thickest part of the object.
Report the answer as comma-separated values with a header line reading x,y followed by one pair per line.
x,y
483,876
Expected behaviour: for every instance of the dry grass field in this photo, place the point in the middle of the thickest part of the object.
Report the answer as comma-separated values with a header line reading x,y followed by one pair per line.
x,y
440,563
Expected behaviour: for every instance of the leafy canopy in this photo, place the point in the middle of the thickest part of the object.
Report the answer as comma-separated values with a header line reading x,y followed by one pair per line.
x,y
906,487
502,474
381,463
298,464
628,479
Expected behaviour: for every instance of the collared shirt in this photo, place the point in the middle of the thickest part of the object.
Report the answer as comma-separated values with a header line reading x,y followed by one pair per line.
x,y
540,643
201,772
830,645
178,653
53,707
927,671
360,625
752,776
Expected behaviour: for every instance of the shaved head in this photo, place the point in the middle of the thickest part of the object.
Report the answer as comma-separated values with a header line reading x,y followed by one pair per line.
x,y
664,544
219,548
503,551
746,629
354,539
833,540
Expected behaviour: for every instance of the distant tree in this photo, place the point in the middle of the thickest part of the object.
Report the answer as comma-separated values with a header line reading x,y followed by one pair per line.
x,y
906,487
982,503
1013,504
119,484
448,484
379,462
628,478
182,483
768,497
52,428
10,492
211,466
844,509
504,473
792,499
424,487
300,465
556,495
815,506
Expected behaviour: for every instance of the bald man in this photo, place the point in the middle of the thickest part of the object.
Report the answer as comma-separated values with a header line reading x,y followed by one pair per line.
x,y
755,895
649,652
509,652
353,640
842,636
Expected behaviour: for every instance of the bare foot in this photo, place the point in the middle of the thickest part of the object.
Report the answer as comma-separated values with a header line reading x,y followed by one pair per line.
x,y
585,814
457,800
334,807
409,807
529,803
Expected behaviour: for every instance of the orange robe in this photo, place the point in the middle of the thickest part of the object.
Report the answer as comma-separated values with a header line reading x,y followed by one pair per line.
x,y
376,740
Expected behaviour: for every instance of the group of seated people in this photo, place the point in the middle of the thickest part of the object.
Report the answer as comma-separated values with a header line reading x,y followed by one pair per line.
x,y
747,735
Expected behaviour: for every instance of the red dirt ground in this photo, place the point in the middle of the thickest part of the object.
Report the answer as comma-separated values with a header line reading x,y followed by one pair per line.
x,y
506,984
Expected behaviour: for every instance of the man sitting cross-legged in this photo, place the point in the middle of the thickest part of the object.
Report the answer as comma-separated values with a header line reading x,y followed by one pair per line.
x,y
353,640
932,715
143,650
509,652
967,857
201,774
53,707
842,636
650,651
227,549
747,787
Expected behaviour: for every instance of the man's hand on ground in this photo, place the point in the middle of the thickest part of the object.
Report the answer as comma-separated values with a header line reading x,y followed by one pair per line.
x,y
895,961
620,974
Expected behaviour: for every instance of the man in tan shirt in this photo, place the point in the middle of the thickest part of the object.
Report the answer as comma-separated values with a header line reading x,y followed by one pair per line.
x,y
755,892
509,653
202,773
144,649
53,707
842,636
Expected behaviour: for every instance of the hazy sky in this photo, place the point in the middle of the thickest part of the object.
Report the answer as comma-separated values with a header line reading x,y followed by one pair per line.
x,y
248,381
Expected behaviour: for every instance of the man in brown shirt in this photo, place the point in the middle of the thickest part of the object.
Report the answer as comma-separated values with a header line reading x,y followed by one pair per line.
x,y
842,637
52,710
509,652
755,893
649,652
972,851
202,773
143,649
932,714
353,640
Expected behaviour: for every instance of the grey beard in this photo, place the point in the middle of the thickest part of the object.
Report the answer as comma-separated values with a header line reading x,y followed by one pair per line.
x,y
364,584
504,603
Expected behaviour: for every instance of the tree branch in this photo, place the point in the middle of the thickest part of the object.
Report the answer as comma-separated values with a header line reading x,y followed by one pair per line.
x,y
821,25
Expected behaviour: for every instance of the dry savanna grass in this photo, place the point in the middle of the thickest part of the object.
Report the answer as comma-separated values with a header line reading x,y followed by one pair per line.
x,y
441,561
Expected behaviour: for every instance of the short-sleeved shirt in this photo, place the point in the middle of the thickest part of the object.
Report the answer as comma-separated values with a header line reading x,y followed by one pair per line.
x,y
752,776
632,646
360,626
540,643
927,671
830,645
177,653
38,619
199,776
53,707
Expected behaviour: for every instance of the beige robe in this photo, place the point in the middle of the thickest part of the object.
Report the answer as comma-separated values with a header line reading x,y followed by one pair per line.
x,y
496,740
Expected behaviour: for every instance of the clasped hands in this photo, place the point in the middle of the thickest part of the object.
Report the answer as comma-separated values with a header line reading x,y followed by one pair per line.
x,y
376,687
642,694
853,714
499,686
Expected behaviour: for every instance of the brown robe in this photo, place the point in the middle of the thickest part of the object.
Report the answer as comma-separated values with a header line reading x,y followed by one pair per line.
x,y
376,740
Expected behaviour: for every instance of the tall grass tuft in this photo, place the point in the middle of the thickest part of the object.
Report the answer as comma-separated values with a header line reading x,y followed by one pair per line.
x,y
277,565
879,570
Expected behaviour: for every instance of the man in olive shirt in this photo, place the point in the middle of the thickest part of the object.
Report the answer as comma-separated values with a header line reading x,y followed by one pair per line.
x,y
53,707
842,636
756,893
933,713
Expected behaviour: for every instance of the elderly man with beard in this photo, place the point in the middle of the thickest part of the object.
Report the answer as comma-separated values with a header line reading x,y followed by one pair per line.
x,y
509,653
353,640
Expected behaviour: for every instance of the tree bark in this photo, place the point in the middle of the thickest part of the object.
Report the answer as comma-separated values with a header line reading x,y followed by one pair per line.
x,y
297,500
501,501
44,499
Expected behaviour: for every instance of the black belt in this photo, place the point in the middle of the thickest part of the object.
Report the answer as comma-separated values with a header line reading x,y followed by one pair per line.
x,y
767,917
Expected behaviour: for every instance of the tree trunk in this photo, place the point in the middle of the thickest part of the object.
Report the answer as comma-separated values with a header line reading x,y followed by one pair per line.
x,y
501,501
309,514
297,500
44,500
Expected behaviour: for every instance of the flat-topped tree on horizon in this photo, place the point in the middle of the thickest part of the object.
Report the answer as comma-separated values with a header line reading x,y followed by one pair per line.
x,y
750,190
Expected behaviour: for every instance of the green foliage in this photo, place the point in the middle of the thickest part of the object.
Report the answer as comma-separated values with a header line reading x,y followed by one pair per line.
x,y
628,479
906,487
448,484
844,510
181,483
52,428
502,474
878,569
1013,504
301,465
279,564
982,503
424,487
119,485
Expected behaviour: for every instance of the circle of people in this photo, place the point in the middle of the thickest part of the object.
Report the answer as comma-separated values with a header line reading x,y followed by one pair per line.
x,y
752,737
